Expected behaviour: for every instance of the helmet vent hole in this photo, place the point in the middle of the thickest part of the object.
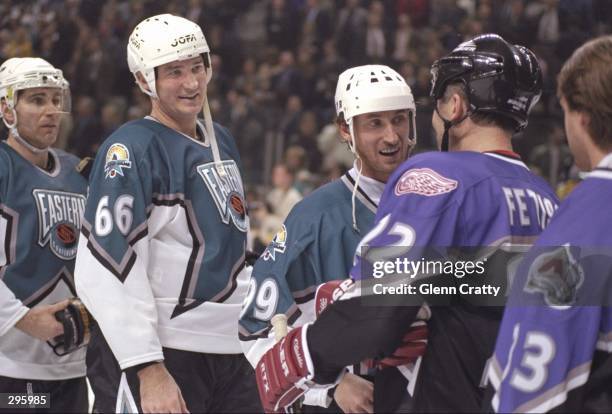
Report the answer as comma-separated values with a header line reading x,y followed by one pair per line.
x,y
388,78
374,80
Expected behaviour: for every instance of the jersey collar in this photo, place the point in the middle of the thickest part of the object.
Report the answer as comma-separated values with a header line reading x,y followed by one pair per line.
x,y
201,131
508,156
603,169
369,187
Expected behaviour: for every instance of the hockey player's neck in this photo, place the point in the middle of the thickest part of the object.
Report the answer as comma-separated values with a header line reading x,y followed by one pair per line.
x,y
185,126
482,140
595,155
40,159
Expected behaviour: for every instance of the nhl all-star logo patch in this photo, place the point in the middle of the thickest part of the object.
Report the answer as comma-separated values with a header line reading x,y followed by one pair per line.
x,y
59,221
277,245
225,185
117,158
424,181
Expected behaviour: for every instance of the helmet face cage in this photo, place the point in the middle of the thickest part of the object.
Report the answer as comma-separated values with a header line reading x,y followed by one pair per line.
x,y
162,39
499,78
373,88
17,74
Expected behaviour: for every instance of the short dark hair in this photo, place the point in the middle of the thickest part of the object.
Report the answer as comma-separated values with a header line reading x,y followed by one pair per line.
x,y
585,81
481,118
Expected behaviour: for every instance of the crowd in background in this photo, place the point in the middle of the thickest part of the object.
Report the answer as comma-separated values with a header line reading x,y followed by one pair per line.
x,y
275,66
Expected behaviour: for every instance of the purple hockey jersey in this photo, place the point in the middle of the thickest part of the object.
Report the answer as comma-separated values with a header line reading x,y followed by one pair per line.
x,y
447,200
555,341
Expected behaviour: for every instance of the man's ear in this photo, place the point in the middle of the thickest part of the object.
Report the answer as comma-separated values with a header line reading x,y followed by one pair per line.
x,y
142,82
6,112
343,128
585,120
459,107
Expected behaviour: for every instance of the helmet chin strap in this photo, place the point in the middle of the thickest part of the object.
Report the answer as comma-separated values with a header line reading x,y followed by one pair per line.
x,y
15,133
359,169
447,126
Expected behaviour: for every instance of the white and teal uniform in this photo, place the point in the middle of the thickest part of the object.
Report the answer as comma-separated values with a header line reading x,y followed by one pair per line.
x,y
40,214
316,244
163,240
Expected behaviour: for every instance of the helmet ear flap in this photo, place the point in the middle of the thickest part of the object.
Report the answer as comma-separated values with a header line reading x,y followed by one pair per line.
x,y
142,83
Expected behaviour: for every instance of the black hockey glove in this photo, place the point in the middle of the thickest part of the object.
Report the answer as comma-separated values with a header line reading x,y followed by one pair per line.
x,y
76,321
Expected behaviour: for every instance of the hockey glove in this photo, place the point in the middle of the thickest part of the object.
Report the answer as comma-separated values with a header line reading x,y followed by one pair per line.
x,y
76,321
329,292
284,371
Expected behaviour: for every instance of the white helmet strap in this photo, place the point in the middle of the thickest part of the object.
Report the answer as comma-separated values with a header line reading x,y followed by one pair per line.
x,y
15,133
210,136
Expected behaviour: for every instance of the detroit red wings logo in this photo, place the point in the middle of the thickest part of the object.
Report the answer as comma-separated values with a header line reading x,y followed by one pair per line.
x,y
424,181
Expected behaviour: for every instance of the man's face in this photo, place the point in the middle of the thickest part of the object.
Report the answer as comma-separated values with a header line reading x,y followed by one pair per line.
x,y
38,115
382,141
181,88
576,136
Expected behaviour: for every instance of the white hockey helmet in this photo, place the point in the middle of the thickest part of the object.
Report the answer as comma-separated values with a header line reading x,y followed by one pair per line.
x,y
24,73
373,88
162,39
17,74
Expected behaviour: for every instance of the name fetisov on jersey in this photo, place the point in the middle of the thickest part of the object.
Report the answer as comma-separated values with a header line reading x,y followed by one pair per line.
x,y
59,219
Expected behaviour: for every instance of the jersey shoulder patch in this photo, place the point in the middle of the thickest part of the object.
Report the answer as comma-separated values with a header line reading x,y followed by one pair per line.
x,y
424,181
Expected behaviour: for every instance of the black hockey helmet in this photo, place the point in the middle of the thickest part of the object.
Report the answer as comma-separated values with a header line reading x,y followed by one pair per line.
x,y
499,77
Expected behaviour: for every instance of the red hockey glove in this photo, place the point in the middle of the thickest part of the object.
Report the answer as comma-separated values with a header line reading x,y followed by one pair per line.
x,y
329,292
282,373
412,347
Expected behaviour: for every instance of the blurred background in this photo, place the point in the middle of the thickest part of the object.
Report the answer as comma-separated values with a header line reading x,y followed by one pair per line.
x,y
275,67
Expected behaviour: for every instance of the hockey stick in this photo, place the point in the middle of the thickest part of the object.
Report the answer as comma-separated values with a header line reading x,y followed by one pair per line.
x,y
280,325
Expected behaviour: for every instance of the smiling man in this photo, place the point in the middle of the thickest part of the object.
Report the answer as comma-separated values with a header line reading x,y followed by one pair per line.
x,y
41,200
475,193
161,261
375,110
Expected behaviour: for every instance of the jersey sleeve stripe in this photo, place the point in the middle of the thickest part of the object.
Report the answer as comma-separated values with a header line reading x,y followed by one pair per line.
x,y
120,270
293,314
8,228
304,295
558,394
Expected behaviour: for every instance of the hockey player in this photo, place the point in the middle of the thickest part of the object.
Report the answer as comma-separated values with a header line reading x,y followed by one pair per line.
x,y
480,194
550,354
161,258
42,197
316,244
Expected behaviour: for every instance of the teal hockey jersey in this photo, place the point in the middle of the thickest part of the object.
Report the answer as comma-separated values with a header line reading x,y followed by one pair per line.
x,y
40,214
316,244
161,257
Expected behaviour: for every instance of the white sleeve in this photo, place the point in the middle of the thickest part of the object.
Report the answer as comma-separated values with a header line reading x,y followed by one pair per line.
x,y
125,311
318,397
11,309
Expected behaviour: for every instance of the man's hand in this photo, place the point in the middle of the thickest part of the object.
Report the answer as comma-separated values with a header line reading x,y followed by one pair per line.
x,y
354,394
283,371
40,321
159,393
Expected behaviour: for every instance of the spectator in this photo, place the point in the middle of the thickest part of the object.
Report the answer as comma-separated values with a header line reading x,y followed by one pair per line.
x,y
283,196
553,159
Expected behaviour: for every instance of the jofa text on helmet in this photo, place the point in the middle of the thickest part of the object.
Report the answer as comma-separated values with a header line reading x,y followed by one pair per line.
x,y
135,42
184,39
